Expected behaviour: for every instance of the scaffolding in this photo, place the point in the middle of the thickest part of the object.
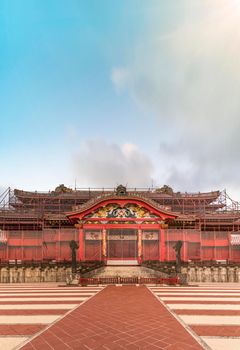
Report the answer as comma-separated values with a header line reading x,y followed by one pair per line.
x,y
37,228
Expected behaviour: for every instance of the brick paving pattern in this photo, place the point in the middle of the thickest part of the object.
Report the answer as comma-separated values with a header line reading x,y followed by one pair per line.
x,y
21,318
209,310
127,317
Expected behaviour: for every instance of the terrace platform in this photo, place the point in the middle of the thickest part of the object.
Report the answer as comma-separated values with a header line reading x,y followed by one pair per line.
x,y
124,271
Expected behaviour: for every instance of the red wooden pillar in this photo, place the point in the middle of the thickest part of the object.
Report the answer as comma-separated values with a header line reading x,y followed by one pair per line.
x,y
58,246
42,245
200,238
7,252
139,245
104,244
214,242
81,245
161,244
22,255
185,247
229,247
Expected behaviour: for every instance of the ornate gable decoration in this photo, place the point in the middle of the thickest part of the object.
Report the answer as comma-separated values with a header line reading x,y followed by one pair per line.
x,y
121,190
114,211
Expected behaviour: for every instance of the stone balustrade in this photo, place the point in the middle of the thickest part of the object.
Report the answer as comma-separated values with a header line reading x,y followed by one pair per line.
x,y
212,274
16,274
19,274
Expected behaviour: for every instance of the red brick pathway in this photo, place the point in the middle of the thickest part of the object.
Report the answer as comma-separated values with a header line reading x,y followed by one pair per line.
x,y
127,317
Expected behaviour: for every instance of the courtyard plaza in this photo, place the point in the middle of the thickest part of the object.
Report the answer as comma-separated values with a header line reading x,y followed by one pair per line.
x,y
49,316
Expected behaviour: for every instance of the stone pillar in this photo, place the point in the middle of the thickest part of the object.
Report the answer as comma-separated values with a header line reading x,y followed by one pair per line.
x,y
198,272
231,274
139,245
238,275
5,275
235,274
204,274
104,244
193,276
215,274
223,274
11,275
27,275
43,274
38,274
208,274
81,245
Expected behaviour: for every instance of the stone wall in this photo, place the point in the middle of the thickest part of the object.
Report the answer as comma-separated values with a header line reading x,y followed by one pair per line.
x,y
212,274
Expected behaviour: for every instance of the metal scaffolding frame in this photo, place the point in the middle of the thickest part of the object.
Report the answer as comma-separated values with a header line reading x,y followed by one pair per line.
x,y
214,212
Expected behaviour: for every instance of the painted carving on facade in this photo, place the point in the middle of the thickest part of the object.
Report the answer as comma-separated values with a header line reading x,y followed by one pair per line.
x,y
150,236
121,237
93,235
115,211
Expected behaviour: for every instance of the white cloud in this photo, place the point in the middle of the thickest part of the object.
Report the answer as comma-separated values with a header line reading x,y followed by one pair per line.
x,y
120,77
190,79
103,164
129,149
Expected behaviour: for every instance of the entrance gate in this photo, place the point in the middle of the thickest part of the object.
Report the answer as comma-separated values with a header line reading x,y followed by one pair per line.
x,y
122,244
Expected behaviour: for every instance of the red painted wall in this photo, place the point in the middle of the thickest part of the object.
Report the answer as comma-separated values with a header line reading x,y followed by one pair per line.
x,y
53,244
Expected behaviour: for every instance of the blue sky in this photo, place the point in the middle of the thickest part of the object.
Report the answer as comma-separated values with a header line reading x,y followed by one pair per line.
x,y
103,92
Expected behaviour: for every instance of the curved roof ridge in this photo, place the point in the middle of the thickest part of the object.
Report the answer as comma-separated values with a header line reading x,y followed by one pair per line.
x,y
97,200
19,192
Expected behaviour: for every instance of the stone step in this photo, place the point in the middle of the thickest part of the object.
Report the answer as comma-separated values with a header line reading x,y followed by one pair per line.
x,y
121,262
124,271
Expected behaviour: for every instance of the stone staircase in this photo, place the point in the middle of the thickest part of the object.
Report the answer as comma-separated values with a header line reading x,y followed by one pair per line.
x,y
121,262
125,271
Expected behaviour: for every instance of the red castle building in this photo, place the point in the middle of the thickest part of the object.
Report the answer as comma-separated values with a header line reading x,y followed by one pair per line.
x,y
118,226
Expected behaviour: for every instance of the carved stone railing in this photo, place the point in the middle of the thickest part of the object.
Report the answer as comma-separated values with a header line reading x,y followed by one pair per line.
x,y
129,280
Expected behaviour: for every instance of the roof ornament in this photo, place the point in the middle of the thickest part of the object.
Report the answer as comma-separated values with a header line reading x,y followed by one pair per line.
x,y
121,190
165,189
62,189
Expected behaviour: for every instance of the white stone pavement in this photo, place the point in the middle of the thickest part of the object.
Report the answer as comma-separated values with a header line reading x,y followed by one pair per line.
x,y
192,298
222,344
9,343
45,299
210,320
203,306
37,306
39,294
208,294
36,319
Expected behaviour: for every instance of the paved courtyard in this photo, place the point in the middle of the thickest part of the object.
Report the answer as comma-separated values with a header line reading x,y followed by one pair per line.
x,y
48,317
